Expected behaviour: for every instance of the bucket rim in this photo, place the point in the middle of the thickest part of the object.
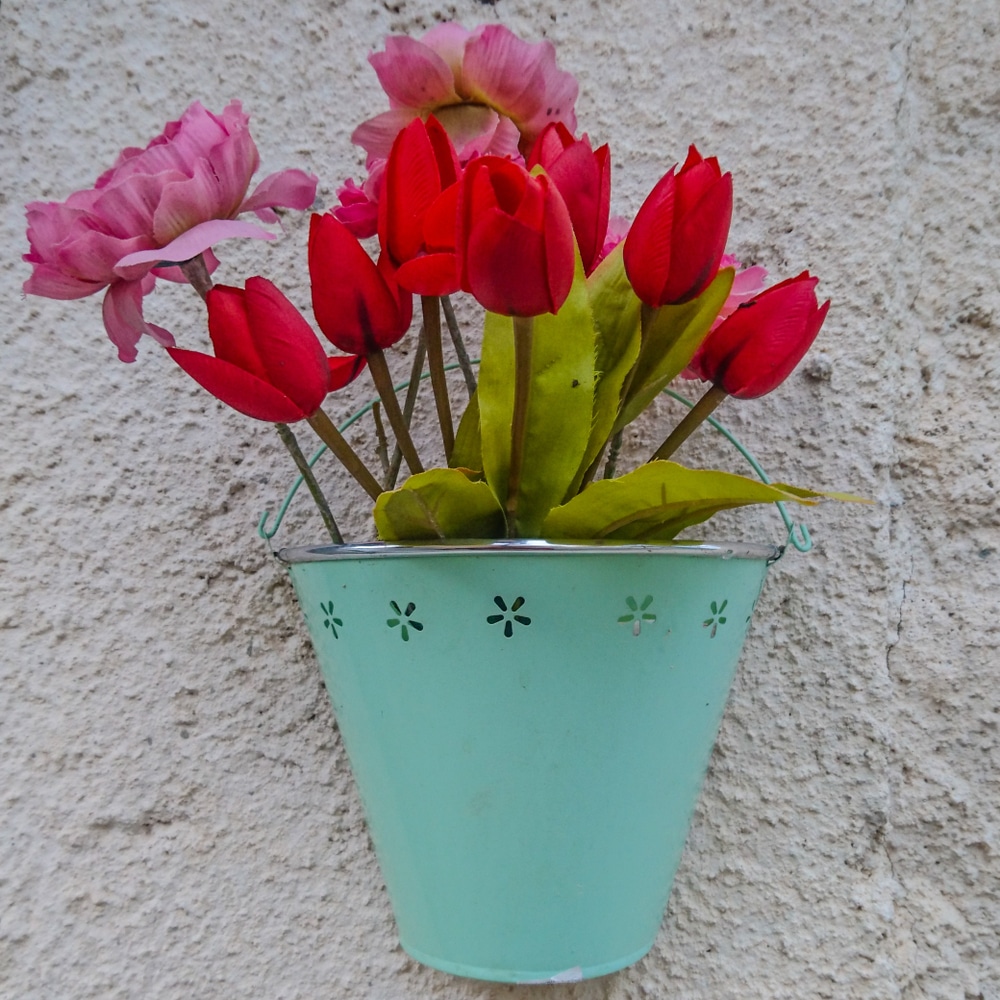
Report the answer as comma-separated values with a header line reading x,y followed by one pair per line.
x,y
523,547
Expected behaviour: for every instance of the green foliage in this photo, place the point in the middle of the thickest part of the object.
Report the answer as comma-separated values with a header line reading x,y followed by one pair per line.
x,y
658,500
439,504
669,342
560,406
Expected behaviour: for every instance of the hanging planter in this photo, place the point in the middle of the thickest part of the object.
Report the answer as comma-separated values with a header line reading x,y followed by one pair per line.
x,y
529,726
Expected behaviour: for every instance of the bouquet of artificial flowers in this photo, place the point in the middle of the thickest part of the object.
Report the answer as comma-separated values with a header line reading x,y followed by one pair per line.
x,y
478,183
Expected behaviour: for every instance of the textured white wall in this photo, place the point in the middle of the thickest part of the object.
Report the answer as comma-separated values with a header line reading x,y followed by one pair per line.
x,y
178,818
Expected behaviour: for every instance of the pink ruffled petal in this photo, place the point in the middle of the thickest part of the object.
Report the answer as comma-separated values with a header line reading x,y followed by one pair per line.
x,y
186,203
124,322
190,244
286,188
519,79
413,75
377,135
448,41
53,283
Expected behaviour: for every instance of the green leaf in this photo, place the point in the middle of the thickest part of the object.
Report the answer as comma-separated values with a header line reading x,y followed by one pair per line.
x,y
616,310
660,499
559,409
670,342
439,504
468,450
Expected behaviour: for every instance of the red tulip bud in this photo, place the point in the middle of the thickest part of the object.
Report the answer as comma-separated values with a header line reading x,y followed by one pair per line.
x,y
673,250
515,241
358,305
757,347
418,210
268,362
583,178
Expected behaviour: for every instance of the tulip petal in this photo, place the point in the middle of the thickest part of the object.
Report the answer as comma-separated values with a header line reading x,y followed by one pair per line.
x,y
432,274
124,321
355,308
648,244
189,245
53,283
293,359
237,388
345,369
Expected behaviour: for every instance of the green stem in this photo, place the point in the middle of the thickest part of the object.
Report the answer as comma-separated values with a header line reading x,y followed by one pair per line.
x,y
691,420
456,338
305,470
430,305
613,453
523,333
335,441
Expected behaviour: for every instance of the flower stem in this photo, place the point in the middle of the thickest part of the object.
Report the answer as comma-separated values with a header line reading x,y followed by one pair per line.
x,y
335,441
613,453
456,338
691,420
430,305
383,440
383,383
523,333
196,272
288,439
408,405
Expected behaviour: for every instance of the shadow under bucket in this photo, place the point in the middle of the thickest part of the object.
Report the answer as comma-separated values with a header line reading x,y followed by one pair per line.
x,y
529,727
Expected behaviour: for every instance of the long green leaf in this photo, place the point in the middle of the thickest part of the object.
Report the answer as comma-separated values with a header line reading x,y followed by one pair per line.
x,y
468,450
616,310
660,499
439,504
559,409
670,342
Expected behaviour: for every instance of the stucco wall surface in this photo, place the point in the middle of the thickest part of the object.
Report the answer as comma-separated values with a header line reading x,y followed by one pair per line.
x,y
178,817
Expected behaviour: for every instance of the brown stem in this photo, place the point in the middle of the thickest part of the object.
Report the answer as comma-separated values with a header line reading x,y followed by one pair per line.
x,y
408,406
691,420
383,440
305,470
383,383
334,440
456,338
196,272
523,331
430,305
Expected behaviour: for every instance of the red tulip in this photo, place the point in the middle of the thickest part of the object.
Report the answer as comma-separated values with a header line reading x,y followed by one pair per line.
x,y
673,250
515,241
358,304
268,363
418,210
756,348
583,178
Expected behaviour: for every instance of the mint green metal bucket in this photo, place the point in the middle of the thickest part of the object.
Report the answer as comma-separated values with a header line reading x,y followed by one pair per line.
x,y
529,726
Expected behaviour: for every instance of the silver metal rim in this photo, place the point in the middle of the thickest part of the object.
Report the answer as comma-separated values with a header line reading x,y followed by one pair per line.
x,y
524,546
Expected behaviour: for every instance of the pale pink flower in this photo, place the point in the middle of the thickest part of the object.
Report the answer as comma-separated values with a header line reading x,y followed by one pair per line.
x,y
156,207
747,285
490,90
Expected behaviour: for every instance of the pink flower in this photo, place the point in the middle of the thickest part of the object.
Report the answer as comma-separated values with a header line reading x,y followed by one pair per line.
x,y
747,285
490,90
157,206
358,209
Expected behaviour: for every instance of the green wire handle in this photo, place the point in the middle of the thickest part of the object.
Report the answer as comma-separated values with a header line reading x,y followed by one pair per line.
x,y
800,539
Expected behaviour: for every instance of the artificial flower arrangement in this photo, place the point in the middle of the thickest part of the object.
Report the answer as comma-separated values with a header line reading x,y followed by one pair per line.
x,y
477,182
